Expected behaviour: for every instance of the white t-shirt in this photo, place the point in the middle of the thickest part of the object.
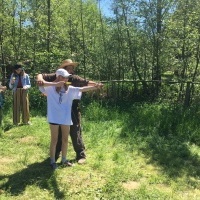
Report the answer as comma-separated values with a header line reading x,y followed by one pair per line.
x,y
59,104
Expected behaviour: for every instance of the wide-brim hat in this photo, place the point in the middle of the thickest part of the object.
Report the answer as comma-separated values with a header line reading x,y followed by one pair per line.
x,y
68,62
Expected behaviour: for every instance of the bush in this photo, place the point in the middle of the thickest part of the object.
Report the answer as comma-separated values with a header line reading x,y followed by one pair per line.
x,y
38,101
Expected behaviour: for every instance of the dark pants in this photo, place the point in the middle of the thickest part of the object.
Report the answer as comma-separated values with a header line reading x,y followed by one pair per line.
x,y
76,137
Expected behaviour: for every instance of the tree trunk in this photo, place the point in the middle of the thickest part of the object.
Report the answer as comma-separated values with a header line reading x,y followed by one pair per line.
x,y
157,48
132,54
49,29
83,38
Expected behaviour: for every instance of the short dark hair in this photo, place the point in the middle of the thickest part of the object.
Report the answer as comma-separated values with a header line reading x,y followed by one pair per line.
x,y
17,66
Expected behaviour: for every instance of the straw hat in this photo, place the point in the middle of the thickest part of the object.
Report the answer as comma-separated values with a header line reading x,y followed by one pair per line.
x,y
68,62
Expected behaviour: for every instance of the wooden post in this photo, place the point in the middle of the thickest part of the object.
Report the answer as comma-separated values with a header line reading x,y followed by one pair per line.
x,y
187,95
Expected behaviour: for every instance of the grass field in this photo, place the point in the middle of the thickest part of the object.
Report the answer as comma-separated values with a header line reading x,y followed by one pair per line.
x,y
139,152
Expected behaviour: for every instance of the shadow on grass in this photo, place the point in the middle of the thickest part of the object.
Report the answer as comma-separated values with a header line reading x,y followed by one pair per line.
x,y
39,174
165,135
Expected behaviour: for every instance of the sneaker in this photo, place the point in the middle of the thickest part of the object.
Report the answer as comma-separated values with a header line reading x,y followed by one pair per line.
x,y
53,166
81,161
67,164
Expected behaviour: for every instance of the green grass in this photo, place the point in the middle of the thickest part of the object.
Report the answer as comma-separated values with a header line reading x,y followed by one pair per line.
x,y
140,152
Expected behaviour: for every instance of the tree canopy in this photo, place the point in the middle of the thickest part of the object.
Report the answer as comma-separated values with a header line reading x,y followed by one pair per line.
x,y
141,41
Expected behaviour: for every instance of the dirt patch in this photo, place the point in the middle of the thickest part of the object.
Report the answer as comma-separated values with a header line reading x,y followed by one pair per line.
x,y
131,185
4,160
1,191
163,187
28,139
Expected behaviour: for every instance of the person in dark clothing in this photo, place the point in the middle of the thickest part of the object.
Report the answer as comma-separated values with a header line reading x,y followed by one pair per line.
x,y
75,129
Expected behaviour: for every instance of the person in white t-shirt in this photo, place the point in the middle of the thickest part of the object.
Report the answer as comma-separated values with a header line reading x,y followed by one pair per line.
x,y
59,102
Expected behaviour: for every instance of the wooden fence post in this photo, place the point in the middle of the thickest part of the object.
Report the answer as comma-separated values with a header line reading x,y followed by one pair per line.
x,y
187,95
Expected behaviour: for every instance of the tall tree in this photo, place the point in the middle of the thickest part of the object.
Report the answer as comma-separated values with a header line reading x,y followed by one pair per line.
x,y
153,14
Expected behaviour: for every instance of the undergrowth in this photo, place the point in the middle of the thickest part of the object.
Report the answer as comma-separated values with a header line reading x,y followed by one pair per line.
x,y
137,151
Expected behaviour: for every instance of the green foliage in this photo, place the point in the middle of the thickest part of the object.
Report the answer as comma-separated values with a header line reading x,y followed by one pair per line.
x,y
8,100
140,41
38,101
164,120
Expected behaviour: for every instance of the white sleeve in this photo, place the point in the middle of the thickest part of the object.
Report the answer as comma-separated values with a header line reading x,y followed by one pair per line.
x,y
75,92
43,89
